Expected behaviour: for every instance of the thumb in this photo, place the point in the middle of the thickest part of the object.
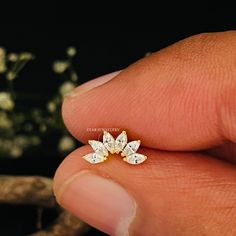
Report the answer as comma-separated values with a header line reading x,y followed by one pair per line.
x,y
171,194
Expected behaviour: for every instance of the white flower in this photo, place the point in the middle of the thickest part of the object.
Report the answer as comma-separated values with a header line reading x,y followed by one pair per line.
x,y
26,56
5,122
6,102
66,143
16,151
71,51
74,77
12,57
21,141
60,66
2,52
51,106
11,75
2,60
66,88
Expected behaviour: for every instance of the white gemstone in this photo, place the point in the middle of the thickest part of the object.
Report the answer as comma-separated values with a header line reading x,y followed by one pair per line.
x,y
98,147
109,142
131,148
120,142
94,158
135,158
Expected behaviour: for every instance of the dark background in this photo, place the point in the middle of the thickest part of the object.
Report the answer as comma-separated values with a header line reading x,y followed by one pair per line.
x,y
102,48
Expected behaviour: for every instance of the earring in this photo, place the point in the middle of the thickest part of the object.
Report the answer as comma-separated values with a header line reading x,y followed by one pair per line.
x,y
115,146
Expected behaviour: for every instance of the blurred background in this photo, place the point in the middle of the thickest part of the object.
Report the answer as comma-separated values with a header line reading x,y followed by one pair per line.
x,y
38,67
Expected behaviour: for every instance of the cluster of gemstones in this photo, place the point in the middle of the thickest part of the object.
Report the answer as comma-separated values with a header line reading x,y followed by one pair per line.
x,y
115,146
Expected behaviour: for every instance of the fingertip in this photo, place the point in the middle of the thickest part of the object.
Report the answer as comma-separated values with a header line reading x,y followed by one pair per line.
x,y
92,84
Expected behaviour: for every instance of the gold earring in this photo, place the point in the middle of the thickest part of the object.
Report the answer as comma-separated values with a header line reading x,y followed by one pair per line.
x,y
112,145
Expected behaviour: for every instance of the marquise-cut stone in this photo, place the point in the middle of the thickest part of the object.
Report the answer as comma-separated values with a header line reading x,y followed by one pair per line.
x,y
98,147
109,142
120,142
135,158
94,158
131,148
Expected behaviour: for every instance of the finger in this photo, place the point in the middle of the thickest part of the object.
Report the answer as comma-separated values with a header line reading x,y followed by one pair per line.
x,y
95,83
181,98
171,194
226,151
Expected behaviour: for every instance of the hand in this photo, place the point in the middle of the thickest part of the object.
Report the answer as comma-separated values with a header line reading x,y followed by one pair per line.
x,y
181,103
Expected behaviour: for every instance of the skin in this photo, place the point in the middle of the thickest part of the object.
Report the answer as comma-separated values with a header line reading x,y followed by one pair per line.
x,y
181,103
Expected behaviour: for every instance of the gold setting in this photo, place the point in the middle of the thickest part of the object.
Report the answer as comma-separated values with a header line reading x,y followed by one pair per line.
x,y
115,146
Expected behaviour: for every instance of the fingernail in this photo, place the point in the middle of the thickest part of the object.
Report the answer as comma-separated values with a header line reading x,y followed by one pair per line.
x,y
92,84
100,202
